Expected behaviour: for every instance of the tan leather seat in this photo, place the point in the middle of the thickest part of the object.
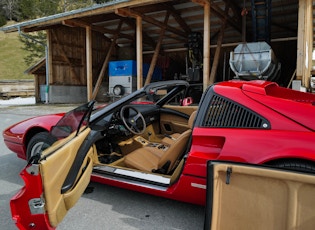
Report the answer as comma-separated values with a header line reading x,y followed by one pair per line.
x,y
169,139
152,158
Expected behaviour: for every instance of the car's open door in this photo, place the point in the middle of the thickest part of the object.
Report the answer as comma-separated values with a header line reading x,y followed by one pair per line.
x,y
55,179
244,197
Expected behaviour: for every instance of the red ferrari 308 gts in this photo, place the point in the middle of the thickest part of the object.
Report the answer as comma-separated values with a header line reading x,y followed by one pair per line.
x,y
163,148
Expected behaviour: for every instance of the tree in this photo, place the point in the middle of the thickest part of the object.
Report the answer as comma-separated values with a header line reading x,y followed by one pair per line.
x,y
3,19
30,9
10,8
67,5
34,45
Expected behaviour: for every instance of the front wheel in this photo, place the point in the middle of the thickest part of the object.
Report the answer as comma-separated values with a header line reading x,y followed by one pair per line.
x,y
39,143
299,165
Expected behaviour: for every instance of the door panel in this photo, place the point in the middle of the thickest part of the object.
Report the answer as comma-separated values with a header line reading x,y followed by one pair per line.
x,y
54,171
40,204
255,197
184,109
172,123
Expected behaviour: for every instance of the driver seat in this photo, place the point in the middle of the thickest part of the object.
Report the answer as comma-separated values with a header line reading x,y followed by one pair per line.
x,y
153,159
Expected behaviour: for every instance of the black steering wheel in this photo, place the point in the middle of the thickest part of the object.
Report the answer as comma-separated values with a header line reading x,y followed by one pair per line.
x,y
134,123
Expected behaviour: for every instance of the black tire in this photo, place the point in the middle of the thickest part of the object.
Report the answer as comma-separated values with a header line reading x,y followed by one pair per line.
x,y
38,143
295,164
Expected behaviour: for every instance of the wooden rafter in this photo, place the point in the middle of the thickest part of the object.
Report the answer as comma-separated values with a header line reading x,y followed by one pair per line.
x,y
126,12
81,23
222,15
177,17
146,38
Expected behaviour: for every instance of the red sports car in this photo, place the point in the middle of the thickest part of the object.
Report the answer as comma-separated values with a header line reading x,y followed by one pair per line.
x,y
30,136
162,148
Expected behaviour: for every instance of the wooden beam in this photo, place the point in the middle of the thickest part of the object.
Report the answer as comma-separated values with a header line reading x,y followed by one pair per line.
x,y
221,14
218,50
96,10
139,53
305,43
206,44
105,64
50,64
89,62
206,41
309,44
181,22
157,50
124,12
129,13
146,38
100,29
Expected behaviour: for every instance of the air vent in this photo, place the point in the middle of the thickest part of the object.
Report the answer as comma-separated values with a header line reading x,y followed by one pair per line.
x,y
224,113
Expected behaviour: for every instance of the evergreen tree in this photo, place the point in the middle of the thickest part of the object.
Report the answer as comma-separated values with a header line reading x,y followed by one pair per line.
x,y
68,5
3,19
34,44
27,9
31,9
10,9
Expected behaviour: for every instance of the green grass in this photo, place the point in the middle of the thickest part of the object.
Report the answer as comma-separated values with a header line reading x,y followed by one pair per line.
x,y
12,65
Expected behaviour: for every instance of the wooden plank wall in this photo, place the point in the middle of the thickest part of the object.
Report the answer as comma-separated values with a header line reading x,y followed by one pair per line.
x,y
68,54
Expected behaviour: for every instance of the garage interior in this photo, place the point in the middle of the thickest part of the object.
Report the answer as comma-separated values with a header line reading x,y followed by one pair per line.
x,y
201,41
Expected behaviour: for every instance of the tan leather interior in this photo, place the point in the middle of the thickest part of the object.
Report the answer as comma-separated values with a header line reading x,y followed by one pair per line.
x,y
150,158
262,199
171,138
58,204
174,124
184,109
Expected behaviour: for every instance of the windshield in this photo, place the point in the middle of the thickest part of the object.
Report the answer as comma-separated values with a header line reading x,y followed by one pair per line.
x,y
73,121
159,94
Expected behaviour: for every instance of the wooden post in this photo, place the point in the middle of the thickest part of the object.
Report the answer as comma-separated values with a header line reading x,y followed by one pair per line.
x,y
49,77
139,53
309,44
206,46
89,63
218,49
105,64
304,44
157,51
206,41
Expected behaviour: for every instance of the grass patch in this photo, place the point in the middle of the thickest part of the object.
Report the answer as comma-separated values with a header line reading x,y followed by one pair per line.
x,y
12,65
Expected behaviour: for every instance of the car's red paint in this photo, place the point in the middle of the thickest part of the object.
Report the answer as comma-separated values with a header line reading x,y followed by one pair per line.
x,y
287,133
253,146
17,136
20,204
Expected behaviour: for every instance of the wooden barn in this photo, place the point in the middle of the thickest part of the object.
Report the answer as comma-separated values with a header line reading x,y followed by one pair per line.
x,y
163,40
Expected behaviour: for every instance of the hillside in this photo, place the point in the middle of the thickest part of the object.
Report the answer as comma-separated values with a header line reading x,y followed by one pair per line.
x,y
12,65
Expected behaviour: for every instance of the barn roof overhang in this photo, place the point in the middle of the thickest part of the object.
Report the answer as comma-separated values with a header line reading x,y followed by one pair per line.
x,y
185,17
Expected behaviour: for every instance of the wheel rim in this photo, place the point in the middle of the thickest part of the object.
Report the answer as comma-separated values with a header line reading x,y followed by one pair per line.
x,y
38,148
